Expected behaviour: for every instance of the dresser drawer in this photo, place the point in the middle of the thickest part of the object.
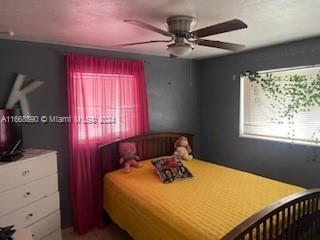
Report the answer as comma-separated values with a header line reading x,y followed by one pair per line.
x,y
53,236
46,226
13,175
18,197
32,213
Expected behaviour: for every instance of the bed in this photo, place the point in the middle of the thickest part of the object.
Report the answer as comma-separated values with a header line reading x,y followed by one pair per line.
x,y
218,203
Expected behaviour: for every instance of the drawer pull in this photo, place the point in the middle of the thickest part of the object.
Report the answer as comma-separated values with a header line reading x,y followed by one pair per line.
x,y
30,215
27,194
25,173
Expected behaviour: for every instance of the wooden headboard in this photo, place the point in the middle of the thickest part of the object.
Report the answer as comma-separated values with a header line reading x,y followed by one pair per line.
x,y
150,145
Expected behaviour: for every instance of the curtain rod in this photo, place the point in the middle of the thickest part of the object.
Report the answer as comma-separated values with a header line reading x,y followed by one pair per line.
x,y
289,69
93,55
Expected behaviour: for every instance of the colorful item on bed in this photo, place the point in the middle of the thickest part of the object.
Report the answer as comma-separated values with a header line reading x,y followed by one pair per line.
x,y
170,169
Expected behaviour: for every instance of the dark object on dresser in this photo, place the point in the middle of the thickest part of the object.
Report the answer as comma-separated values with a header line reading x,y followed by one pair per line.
x,y
10,132
6,232
12,155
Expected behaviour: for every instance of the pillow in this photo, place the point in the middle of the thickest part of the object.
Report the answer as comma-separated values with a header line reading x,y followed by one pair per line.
x,y
170,169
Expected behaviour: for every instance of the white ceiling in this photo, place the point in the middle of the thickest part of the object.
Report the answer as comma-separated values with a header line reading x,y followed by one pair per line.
x,y
98,23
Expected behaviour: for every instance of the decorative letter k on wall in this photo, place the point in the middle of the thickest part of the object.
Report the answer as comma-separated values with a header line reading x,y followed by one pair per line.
x,y
20,95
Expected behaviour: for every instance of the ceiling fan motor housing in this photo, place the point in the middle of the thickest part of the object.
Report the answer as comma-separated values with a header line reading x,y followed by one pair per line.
x,y
181,26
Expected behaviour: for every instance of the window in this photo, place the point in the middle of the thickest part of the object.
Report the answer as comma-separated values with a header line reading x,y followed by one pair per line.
x,y
281,105
106,104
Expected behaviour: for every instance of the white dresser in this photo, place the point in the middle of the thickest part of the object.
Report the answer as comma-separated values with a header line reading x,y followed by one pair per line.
x,y
29,196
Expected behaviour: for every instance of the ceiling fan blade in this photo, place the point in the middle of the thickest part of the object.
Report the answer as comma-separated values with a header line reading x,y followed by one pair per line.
x,y
218,44
150,27
138,43
228,26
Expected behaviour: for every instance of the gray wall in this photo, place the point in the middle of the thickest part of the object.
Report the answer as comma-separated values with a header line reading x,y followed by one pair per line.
x,y
219,101
172,95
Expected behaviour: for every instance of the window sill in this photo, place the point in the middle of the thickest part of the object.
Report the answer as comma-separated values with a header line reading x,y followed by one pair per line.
x,y
284,140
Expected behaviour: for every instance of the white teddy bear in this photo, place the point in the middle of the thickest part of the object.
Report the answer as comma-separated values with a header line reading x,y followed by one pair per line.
x,y
183,149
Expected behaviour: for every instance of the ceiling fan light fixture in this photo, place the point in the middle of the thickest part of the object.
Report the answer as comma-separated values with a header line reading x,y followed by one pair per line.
x,y
180,49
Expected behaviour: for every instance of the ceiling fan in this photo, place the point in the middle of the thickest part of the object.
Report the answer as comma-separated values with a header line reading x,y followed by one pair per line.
x,y
184,39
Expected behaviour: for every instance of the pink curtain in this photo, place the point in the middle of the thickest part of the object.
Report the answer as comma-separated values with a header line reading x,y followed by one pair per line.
x,y
107,101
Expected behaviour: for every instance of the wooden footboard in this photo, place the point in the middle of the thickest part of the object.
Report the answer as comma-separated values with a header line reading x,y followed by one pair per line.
x,y
296,217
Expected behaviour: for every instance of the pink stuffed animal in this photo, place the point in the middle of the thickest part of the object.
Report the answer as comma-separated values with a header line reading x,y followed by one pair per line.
x,y
128,156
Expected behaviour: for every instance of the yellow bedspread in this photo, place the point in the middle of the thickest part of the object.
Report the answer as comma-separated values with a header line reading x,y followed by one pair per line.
x,y
205,207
